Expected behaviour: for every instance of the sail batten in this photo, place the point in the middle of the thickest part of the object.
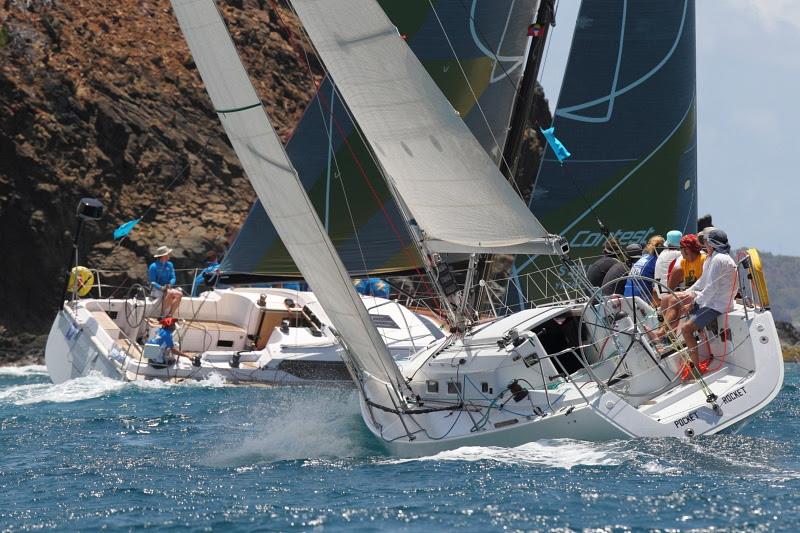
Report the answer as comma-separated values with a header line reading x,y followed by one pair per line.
x,y
279,188
432,159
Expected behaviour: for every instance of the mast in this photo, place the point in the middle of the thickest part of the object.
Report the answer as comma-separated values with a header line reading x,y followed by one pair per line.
x,y
523,106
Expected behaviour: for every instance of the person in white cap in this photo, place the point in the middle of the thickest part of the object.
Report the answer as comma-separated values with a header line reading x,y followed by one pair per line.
x,y
161,274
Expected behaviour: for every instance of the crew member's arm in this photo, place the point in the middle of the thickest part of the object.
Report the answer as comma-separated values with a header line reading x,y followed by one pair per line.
x,y
675,277
171,271
152,275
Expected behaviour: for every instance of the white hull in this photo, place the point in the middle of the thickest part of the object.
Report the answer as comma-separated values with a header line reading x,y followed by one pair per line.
x,y
219,326
750,376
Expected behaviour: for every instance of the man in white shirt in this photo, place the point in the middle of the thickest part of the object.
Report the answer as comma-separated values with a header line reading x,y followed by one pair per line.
x,y
713,293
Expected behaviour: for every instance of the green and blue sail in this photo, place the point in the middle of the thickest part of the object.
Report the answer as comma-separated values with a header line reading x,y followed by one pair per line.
x,y
627,111
351,197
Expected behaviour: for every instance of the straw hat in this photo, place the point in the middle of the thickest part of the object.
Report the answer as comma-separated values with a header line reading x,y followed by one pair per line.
x,y
162,251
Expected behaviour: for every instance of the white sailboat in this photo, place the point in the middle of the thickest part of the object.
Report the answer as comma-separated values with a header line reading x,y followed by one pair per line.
x,y
583,368
243,335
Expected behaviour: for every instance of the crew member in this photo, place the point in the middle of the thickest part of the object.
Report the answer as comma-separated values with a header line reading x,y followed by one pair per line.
x,y
645,269
164,340
161,274
614,281
208,277
666,255
611,253
713,293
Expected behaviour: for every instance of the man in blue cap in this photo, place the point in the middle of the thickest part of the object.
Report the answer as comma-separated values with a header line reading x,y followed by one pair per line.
x,y
712,294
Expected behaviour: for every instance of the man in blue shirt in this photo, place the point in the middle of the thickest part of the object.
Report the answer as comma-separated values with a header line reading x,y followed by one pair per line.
x,y
164,340
161,275
207,279
372,287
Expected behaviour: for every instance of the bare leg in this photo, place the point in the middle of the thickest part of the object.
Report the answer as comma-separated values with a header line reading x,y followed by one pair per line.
x,y
172,301
176,303
164,298
688,330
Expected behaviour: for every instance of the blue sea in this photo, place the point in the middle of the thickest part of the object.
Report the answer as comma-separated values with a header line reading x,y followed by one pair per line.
x,y
95,453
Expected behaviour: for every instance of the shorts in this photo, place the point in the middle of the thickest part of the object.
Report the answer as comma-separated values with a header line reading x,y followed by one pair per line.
x,y
702,316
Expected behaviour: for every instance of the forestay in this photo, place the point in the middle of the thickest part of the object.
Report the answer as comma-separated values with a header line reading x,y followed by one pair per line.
x,y
452,188
278,187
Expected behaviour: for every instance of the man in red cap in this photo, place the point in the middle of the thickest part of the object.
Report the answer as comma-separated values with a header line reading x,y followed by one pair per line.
x,y
689,266
164,340
683,272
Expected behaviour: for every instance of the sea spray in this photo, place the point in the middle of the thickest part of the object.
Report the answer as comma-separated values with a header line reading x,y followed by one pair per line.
x,y
298,423
26,370
551,453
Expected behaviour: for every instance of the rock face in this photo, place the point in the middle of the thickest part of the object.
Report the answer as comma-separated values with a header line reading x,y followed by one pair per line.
x,y
101,98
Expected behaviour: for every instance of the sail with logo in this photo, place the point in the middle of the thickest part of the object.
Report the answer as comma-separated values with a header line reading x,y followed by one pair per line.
x,y
485,39
627,111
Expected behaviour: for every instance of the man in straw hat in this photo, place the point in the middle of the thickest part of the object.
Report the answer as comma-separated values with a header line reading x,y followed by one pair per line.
x,y
161,274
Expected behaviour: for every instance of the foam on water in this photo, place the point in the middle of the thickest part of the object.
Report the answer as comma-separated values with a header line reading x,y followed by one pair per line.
x,y
552,453
298,423
27,370
83,388
91,386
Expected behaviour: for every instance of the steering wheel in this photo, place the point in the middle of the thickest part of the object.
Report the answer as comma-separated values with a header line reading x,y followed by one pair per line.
x,y
617,327
135,305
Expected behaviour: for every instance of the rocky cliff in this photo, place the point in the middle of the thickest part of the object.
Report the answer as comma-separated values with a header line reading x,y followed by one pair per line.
x,y
101,98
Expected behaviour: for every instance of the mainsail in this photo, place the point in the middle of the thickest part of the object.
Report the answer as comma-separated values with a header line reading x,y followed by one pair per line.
x,y
627,112
452,188
488,40
279,188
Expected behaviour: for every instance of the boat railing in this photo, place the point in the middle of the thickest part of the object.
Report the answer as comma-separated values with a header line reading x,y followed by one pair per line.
x,y
124,282
503,294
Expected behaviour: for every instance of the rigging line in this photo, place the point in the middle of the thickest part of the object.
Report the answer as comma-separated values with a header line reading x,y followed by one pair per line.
x,y
475,96
178,176
332,153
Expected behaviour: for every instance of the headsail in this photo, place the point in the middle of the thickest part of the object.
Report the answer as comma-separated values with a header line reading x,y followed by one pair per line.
x,y
280,190
627,112
451,187
489,40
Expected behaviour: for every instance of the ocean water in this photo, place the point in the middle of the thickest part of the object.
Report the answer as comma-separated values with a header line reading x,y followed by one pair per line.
x,y
95,453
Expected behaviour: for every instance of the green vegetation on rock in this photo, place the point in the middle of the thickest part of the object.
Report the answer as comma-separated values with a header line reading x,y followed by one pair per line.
x,y
782,276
